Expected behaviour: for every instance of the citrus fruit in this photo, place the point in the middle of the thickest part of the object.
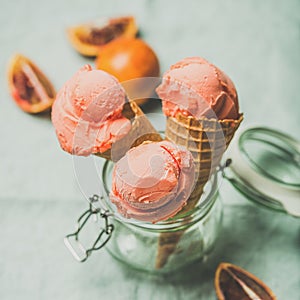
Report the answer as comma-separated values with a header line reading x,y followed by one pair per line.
x,y
29,87
128,59
88,38
234,283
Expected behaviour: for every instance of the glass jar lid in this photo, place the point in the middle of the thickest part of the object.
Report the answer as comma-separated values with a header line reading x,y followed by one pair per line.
x,y
265,167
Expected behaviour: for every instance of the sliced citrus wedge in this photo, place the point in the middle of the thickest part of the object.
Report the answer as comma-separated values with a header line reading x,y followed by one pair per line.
x,y
31,89
88,38
234,283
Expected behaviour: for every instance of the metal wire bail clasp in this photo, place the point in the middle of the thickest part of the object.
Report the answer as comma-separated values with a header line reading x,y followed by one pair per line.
x,y
224,166
103,237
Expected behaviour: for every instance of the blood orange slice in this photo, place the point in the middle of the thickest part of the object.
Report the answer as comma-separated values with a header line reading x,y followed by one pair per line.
x,y
234,283
88,38
30,88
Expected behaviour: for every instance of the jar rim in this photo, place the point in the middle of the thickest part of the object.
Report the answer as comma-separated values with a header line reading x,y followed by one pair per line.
x,y
265,168
274,139
186,219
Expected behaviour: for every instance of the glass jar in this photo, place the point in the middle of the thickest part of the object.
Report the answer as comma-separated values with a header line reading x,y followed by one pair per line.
x,y
144,245
156,248
264,165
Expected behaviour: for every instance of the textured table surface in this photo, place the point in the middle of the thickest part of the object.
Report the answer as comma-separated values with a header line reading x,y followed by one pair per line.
x,y
256,42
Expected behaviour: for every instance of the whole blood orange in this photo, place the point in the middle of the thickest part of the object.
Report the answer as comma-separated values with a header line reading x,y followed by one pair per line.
x,y
128,59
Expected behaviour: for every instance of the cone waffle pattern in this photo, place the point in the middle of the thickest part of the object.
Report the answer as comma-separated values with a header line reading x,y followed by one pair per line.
x,y
207,140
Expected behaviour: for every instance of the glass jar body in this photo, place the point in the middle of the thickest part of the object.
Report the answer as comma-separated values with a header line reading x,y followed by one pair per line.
x,y
144,247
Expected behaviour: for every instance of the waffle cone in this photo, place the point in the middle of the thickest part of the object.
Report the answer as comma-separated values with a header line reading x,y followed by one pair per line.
x,y
141,131
207,140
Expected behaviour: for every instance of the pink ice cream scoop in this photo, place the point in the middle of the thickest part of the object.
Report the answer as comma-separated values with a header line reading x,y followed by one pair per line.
x,y
87,112
153,181
195,87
